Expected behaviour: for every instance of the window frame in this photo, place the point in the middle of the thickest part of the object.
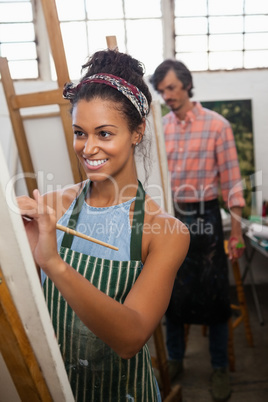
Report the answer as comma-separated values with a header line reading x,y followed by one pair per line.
x,y
168,19
209,52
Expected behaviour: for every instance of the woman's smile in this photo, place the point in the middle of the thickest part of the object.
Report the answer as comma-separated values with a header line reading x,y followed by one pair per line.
x,y
95,163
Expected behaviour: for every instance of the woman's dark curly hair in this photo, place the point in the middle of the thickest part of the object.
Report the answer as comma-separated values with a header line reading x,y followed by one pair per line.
x,y
121,65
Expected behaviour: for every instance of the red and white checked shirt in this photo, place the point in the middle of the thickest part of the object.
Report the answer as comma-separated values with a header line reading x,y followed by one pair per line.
x,y
202,155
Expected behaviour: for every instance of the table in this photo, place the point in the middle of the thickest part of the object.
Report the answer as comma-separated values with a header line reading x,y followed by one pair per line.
x,y
259,246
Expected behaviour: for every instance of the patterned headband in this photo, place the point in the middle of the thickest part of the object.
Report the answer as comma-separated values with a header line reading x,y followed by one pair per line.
x,y
136,97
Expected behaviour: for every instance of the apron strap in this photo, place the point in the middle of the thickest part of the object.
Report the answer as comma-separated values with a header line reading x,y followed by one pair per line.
x,y
137,223
68,238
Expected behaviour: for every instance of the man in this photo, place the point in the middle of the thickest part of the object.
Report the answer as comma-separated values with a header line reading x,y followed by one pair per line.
x,y
201,157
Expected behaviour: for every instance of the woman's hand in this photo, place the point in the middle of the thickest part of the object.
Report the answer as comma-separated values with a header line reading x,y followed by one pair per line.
x,y
40,225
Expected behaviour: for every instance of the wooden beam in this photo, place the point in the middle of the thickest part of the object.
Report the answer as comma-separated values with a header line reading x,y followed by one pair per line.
x,y
59,57
112,42
53,97
55,40
17,351
158,148
18,127
78,175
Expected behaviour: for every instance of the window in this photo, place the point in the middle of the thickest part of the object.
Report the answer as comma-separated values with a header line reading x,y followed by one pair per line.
x,y
209,34
17,38
137,26
216,34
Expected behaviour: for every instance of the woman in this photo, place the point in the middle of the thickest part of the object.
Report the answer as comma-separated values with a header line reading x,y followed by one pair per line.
x,y
105,304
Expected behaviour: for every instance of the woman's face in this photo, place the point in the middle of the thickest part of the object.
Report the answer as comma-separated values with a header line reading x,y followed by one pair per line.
x,y
102,140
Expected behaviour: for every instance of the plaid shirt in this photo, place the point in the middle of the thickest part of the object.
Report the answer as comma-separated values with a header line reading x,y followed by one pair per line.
x,y
201,155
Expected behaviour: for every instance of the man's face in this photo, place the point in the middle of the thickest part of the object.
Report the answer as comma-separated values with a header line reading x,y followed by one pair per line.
x,y
171,90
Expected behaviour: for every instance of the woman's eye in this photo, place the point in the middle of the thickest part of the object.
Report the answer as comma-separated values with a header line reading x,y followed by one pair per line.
x,y
105,134
78,133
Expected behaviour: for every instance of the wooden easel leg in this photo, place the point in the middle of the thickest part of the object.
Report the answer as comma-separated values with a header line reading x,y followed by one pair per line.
x,y
231,356
242,303
17,351
186,333
175,394
169,393
162,363
18,128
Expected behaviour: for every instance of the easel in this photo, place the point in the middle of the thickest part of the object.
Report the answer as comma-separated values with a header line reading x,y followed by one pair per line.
x,y
17,351
53,97
242,308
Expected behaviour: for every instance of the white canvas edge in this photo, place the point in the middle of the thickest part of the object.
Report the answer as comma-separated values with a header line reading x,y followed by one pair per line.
x,y
22,280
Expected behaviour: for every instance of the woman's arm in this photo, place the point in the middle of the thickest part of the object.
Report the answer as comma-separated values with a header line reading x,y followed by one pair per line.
x,y
124,327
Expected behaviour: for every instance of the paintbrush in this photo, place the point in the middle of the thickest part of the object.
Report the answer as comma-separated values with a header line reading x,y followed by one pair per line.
x,y
83,236
78,234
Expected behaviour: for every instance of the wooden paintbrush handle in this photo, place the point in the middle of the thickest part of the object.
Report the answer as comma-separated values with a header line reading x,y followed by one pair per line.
x,y
83,236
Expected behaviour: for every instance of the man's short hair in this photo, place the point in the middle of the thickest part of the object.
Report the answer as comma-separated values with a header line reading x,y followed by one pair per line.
x,y
181,71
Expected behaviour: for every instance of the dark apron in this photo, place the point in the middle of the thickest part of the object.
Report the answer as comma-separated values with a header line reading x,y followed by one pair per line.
x,y
96,373
201,289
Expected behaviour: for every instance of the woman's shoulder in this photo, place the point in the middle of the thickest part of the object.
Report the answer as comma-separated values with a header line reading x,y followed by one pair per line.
x,y
161,224
61,199
164,236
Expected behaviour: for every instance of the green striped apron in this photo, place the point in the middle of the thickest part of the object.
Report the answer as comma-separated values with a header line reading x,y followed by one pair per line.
x,y
96,373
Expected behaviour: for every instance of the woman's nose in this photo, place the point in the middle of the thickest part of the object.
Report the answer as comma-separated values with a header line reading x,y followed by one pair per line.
x,y
91,147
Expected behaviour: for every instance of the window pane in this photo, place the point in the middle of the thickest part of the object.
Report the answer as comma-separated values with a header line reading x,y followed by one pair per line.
x,y
191,43
256,23
104,9
225,24
256,59
190,8
67,10
139,49
15,51
234,27
14,12
256,41
226,7
256,6
17,32
76,52
98,30
226,42
188,26
143,9
23,69
225,60
17,38
194,61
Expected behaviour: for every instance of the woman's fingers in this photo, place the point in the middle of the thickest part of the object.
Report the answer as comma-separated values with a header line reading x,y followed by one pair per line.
x,y
36,209
27,207
42,207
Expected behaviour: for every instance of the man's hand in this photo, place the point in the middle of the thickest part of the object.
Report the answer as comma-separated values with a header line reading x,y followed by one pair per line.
x,y
236,247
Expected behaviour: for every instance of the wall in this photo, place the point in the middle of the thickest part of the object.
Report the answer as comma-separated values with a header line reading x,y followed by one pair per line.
x,y
243,85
